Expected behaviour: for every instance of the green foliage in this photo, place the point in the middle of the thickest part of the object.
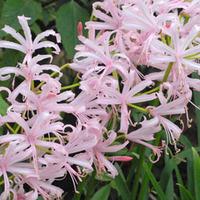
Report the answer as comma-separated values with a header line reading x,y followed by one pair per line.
x,y
197,111
177,176
119,183
3,106
196,173
154,182
12,9
67,18
102,194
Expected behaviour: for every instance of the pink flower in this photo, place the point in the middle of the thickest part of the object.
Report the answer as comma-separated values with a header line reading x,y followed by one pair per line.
x,y
26,45
85,107
12,162
141,26
96,86
49,100
192,8
97,56
110,17
140,17
74,154
165,6
127,96
179,53
22,195
34,129
31,70
127,37
175,107
145,134
42,185
105,146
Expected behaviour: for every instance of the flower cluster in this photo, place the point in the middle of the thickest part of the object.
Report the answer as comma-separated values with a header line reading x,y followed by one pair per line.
x,y
138,57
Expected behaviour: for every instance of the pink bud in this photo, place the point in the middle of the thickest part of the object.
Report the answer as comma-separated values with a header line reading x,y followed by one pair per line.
x,y
80,28
121,158
168,24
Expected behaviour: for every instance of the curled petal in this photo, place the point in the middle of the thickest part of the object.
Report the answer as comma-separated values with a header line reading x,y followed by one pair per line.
x,y
12,45
44,34
14,34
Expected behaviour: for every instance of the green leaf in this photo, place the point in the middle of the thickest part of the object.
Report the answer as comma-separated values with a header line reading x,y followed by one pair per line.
x,y
102,194
172,163
119,183
138,173
103,177
154,182
196,171
190,174
3,106
67,18
136,115
197,111
1,6
180,181
10,58
144,191
185,141
13,8
186,193
170,189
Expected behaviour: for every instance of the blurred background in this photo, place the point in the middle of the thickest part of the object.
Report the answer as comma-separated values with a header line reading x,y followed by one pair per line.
x,y
175,176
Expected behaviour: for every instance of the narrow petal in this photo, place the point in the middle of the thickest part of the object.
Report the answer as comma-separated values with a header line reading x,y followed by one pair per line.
x,y
47,44
14,34
27,32
12,45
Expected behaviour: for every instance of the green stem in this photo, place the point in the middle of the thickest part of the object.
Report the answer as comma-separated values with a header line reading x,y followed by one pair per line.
x,y
116,76
10,128
32,85
70,86
145,181
120,137
163,38
138,173
61,69
166,75
17,129
167,72
144,110
55,73
10,177
193,56
156,89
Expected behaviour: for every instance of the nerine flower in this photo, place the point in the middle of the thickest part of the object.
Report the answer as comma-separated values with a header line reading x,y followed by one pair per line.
x,y
48,100
31,70
165,6
41,185
26,45
103,146
127,36
34,129
79,141
127,96
97,56
13,161
145,134
178,52
175,107
110,17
